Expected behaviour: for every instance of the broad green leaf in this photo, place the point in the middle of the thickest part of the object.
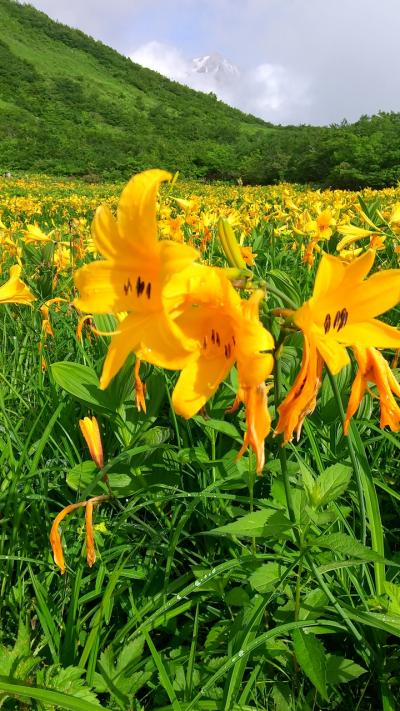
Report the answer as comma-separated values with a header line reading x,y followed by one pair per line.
x,y
342,543
266,577
259,524
82,475
155,436
225,428
81,382
331,484
237,597
312,604
310,654
340,670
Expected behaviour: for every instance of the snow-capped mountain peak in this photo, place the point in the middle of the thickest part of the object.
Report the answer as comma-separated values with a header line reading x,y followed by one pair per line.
x,y
217,66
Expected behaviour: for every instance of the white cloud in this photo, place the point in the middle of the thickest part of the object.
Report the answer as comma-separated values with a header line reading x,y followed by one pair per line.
x,y
162,58
267,90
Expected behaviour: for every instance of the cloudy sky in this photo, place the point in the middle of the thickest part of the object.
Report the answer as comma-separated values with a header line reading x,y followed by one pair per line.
x,y
300,61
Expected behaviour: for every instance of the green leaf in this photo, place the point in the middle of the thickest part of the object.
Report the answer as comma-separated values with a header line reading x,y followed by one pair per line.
x,y
155,436
310,654
237,597
259,524
68,680
18,661
225,428
331,484
342,543
340,670
393,591
266,577
46,696
83,383
82,475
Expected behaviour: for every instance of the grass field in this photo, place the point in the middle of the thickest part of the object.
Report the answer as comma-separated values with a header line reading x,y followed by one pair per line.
x,y
212,588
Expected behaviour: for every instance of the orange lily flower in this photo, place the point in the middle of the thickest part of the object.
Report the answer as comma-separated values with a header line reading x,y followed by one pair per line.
x,y
91,432
373,368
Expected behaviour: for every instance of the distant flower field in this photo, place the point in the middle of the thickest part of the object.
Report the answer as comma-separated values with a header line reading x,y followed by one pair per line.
x,y
211,373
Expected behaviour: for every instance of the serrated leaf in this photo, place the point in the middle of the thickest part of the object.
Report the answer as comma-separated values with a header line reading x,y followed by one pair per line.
x,y
259,524
312,604
68,680
331,484
18,661
307,479
130,654
342,543
393,591
155,436
265,577
310,655
340,670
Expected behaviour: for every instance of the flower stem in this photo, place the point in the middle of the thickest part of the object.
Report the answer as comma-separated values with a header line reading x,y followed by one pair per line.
x,y
366,492
353,458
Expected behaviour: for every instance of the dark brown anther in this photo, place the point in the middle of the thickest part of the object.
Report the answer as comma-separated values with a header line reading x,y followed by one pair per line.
x,y
205,342
337,319
218,339
327,323
148,290
127,287
139,286
344,315
213,336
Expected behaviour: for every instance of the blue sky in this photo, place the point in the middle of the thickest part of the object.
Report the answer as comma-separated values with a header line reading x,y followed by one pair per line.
x,y
300,61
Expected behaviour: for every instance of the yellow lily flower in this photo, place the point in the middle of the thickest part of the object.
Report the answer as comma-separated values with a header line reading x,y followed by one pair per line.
x,y
342,309
302,397
352,234
340,313
372,367
258,421
33,233
226,330
14,290
132,276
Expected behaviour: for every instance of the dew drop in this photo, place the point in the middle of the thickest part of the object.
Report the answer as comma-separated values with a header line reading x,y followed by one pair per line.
x,y
241,653
178,597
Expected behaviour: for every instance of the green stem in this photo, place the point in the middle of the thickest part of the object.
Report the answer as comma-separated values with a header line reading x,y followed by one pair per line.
x,y
273,290
292,516
282,455
353,458
367,492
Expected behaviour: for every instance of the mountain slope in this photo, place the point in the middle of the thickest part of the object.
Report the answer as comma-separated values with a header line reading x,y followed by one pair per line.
x,y
69,104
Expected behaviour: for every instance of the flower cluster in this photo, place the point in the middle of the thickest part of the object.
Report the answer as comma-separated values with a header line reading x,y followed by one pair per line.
x,y
180,314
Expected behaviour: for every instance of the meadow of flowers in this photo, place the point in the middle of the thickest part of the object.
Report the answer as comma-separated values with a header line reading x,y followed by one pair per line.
x,y
199,426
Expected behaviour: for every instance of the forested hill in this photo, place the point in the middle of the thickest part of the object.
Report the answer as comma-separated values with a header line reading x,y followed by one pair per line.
x,y
70,105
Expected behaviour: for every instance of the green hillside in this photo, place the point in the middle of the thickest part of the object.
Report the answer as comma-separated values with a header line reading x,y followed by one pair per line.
x,y
69,105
